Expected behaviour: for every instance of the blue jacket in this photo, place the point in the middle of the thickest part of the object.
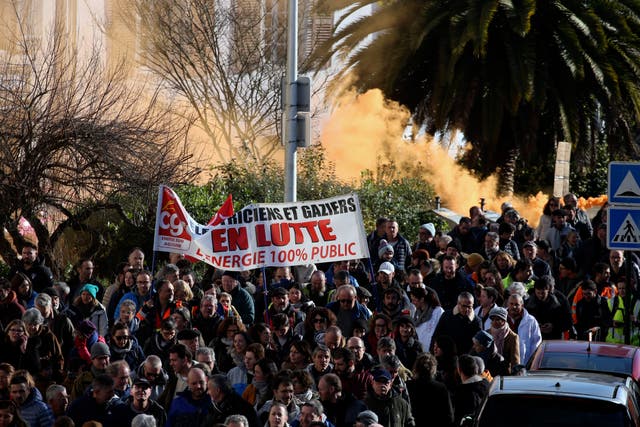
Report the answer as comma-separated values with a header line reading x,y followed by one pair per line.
x,y
187,412
35,412
135,297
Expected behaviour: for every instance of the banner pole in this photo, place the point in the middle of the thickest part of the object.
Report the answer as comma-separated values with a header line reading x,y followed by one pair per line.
x,y
264,295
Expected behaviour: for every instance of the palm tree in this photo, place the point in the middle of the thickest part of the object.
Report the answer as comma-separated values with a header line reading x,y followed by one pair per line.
x,y
515,76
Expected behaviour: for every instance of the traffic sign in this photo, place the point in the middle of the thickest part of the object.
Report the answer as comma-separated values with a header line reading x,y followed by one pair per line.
x,y
623,182
623,227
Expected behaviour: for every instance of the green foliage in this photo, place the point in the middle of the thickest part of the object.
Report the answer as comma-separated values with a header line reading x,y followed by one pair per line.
x,y
532,177
386,192
591,179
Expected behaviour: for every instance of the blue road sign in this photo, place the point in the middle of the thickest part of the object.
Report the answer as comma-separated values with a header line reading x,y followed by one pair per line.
x,y
623,230
623,182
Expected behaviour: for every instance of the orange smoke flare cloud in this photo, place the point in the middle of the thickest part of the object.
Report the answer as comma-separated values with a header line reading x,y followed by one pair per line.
x,y
366,128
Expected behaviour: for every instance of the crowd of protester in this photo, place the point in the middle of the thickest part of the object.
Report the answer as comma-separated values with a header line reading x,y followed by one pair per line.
x,y
412,336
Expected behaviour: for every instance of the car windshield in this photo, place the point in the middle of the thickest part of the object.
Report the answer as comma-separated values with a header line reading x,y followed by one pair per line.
x,y
548,411
586,362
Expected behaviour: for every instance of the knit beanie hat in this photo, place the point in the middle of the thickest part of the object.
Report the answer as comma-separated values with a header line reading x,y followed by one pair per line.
x,y
92,289
87,327
99,349
384,247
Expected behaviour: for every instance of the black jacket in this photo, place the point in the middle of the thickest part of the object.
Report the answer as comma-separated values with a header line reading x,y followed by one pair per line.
x,y
231,405
439,411
468,398
123,413
392,410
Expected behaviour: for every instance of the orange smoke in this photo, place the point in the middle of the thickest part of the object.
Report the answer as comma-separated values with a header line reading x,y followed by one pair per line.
x,y
366,128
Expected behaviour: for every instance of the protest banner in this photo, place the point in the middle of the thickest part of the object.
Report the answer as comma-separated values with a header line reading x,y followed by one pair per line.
x,y
286,234
175,228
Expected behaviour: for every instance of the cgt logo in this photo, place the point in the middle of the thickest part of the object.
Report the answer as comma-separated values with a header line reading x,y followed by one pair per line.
x,y
172,222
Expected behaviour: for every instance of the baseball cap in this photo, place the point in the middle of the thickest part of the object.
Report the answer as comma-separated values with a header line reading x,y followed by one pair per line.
x,y
381,375
142,382
386,267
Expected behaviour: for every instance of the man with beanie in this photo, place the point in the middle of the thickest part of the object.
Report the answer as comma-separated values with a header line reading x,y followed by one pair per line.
x,y
100,358
484,347
426,240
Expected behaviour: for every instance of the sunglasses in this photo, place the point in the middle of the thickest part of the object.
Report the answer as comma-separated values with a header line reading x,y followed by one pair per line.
x,y
319,320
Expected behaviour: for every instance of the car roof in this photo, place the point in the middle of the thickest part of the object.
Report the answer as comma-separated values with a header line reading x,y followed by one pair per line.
x,y
577,384
599,349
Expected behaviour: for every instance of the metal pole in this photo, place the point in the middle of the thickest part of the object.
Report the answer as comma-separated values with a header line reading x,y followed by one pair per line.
x,y
628,310
290,105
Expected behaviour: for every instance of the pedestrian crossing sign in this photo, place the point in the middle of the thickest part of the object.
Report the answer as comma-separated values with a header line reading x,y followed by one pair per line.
x,y
624,183
623,228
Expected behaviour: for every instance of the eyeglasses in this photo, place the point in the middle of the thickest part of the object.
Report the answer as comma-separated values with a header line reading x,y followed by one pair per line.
x,y
355,348
151,374
318,320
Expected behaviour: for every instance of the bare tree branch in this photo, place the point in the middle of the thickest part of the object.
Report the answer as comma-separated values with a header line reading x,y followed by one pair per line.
x,y
73,134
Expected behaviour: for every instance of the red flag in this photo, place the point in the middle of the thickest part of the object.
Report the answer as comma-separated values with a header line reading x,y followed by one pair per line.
x,y
225,211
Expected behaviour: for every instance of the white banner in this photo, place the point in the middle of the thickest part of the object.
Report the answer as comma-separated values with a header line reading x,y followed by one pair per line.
x,y
286,234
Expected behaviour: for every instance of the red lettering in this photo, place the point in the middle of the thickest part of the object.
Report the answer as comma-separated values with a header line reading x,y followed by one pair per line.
x,y
351,248
238,239
218,239
261,238
326,230
280,235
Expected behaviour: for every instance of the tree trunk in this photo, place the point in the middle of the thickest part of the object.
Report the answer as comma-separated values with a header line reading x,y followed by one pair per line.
x,y
507,173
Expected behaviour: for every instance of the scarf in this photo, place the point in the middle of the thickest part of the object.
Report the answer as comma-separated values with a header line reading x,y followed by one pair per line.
x,y
499,334
423,316
238,359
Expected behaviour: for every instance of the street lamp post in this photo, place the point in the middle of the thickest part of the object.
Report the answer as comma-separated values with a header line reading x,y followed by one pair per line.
x,y
296,91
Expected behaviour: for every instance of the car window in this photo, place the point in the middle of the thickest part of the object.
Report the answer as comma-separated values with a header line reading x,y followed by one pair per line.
x,y
551,411
583,362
